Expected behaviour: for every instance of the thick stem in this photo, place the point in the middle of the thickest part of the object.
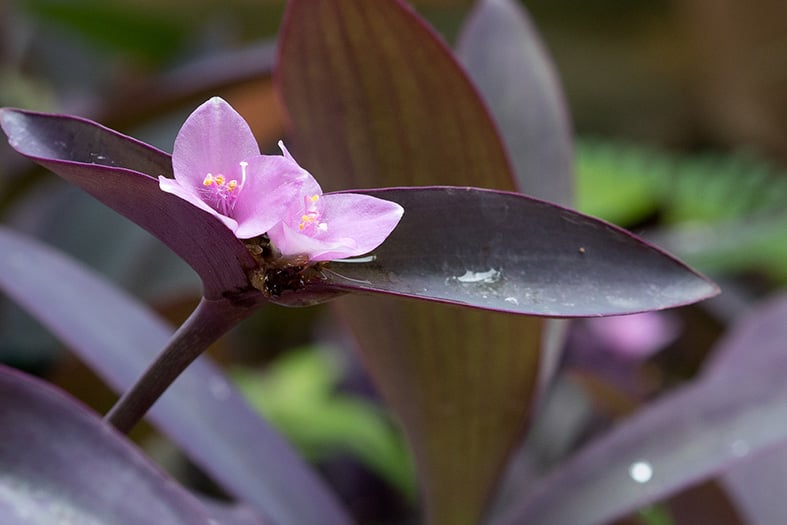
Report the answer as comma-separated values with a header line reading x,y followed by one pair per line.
x,y
209,321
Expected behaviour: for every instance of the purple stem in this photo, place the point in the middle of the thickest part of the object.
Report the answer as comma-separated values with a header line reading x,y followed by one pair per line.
x,y
209,321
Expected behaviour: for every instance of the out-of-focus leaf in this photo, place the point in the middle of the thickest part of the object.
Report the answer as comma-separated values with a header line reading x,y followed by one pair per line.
x,y
298,395
117,170
756,243
616,182
504,55
735,411
755,483
624,183
103,239
232,513
59,463
560,263
201,411
124,27
376,99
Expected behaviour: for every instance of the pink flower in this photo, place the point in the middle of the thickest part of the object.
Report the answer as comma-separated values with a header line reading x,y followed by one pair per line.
x,y
333,226
218,168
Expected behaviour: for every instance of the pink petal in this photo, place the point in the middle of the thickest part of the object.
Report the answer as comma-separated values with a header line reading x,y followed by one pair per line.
x,y
214,139
367,220
357,224
189,194
290,241
272,184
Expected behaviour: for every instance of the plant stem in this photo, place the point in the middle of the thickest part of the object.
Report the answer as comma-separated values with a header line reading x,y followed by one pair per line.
x,y
209,321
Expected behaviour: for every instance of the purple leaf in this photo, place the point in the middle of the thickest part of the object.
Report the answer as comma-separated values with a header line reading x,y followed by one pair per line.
x,y
512,253
61,464
728,415
116,170
202,411
755,483
376,99
504,55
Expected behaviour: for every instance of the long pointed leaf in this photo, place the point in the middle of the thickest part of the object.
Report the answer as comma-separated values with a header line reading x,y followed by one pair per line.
x,y
202,411
376,99
700,431
59,463
755,483
504,55
512,253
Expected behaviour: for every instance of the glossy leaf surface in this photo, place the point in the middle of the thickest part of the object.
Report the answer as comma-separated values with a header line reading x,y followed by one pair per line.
x,y
508,252
119,171
376,99
733,412
60,463
506,59
202,412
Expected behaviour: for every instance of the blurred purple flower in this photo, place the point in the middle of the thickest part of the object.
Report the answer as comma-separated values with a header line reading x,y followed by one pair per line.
x,y
218,168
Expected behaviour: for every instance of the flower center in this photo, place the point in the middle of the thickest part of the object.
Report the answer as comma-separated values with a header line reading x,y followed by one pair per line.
x,y
310,220
221,193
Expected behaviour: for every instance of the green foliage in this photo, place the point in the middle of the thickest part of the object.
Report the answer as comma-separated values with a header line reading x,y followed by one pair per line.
x,y
655,515
722,213
297,394
114,26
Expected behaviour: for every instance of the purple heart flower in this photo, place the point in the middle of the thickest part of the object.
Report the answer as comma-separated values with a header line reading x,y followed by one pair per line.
x,y
334,226
218,168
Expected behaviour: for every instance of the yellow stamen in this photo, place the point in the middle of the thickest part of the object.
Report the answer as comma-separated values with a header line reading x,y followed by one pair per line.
x,y
208,181
220,180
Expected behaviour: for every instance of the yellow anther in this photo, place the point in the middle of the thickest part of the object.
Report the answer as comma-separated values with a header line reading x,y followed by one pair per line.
x,y
314,198
208,181
220,180
232,185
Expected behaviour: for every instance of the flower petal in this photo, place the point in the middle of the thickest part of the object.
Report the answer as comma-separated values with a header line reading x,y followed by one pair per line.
x,y
213,139
368,220
189,194
271,185
357,224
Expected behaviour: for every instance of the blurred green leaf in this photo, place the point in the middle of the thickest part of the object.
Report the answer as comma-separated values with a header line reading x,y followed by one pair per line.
x,y
722,212
624,183
122,27
298,395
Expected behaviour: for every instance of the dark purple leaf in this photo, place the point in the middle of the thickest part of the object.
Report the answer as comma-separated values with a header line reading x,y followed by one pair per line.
x,y
509,252
61,464
376,99
731,414
119,171
202,411
504,55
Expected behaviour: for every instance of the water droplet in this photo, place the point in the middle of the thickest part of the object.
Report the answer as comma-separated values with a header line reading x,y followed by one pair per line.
x,y
641,471
740,448
490,276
